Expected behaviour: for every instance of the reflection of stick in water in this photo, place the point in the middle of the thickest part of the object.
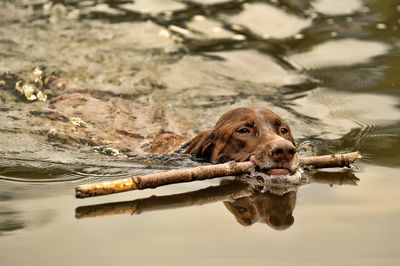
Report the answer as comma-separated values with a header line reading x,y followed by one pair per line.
x,y
200,173
234,189
228,191
334,178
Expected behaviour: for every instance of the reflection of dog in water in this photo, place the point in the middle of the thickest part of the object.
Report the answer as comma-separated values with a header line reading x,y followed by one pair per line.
x,y
274,210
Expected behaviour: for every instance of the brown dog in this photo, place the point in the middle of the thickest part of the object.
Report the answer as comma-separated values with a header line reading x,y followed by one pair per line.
x,y
255,134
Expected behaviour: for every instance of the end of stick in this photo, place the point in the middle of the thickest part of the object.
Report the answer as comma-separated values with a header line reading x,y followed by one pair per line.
x,y
79,194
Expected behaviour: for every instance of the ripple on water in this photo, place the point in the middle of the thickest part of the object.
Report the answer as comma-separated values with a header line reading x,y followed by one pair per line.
x,y
90,168
337,7
254,66
52,173
269,21
336,113
205,28
153,6
377,143
241,65
209,2
343,52
351,79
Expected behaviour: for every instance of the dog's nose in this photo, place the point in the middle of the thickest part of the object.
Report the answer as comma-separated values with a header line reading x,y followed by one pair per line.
x,y
283,150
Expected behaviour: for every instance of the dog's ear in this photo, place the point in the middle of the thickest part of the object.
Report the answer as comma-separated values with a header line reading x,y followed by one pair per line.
x,y
202,145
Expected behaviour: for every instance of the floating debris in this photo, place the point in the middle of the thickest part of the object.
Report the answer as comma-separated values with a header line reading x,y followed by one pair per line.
x,y
108,151
76,121
33,90
298,36
58,12
381,26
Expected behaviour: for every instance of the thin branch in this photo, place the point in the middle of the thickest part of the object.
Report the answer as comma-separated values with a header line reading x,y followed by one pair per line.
x,y
328,161
200,173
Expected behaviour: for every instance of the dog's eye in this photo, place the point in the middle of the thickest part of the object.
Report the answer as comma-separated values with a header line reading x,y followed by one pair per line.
x,y
284,131
241,209
243,130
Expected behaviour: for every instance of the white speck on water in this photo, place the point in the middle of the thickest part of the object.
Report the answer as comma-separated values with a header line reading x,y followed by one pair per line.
x,y
298,36
381,26
239,37
179,30
164,33
76,121
237,27
199,18
216,29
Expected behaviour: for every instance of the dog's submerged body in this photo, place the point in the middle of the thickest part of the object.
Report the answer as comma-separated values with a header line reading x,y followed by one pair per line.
x,y
243,134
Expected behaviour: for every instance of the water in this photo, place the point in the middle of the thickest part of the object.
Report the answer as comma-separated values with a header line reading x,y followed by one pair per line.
x,y
125,71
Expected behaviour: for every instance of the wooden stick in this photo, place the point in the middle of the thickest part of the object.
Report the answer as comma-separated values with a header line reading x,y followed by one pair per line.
x,y
334,160
164,178
200,173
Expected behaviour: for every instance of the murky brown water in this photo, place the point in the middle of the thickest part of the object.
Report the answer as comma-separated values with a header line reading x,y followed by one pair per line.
x,y
128,71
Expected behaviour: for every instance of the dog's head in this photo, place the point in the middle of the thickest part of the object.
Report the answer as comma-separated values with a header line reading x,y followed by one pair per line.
x,y
243,134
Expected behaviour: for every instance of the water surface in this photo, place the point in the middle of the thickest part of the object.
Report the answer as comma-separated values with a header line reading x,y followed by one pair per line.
x,y
329,68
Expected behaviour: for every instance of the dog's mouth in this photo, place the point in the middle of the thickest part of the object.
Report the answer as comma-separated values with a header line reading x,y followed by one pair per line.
x,y
276,171
273,171
270,170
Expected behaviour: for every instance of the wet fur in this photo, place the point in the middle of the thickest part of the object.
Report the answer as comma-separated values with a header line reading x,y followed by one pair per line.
x,y
244,132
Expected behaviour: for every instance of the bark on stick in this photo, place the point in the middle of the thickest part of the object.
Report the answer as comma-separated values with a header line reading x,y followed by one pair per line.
x,y
201,173
164,178
334,160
